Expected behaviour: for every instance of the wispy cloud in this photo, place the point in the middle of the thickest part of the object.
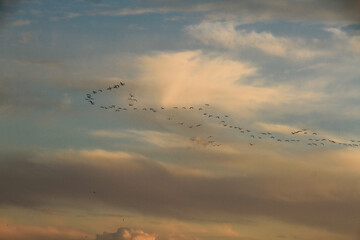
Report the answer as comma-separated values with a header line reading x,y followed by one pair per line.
x,y
68,15
133,11
20,23
343,41
29,232
161,10
259,11
225,34
329,12
159,139
26,37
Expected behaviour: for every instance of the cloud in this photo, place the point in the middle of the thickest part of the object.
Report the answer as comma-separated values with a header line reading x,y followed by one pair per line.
x,y
133,11
10,99
14,99
224,34
317,193
344,42
176,230
7,7
248,11
279,128
355,43
68,15
29,232
214,79
109,134
25,37
41,63
20,23
197,75
328,12
160,10
65,102
157,138
126,234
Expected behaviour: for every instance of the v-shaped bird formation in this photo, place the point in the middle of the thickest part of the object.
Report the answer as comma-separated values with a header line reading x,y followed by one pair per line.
x,y
209,116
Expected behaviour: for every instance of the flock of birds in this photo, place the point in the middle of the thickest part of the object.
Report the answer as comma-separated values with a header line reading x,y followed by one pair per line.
x,y
313,138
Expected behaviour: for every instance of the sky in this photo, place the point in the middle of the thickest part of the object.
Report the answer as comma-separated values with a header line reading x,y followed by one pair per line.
x,y
179,120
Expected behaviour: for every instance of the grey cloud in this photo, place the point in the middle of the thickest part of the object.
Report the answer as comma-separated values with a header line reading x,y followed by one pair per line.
x,y
333,11
142,185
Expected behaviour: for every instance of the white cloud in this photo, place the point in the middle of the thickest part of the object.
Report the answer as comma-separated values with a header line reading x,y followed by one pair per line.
x,y
213,79
336,32
225,34
345,42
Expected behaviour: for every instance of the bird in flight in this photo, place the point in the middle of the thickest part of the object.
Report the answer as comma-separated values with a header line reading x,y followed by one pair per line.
x,y
256,135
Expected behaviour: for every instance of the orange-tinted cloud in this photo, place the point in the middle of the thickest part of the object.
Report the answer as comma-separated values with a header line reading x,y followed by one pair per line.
x,y
126,234
308,192
28,232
